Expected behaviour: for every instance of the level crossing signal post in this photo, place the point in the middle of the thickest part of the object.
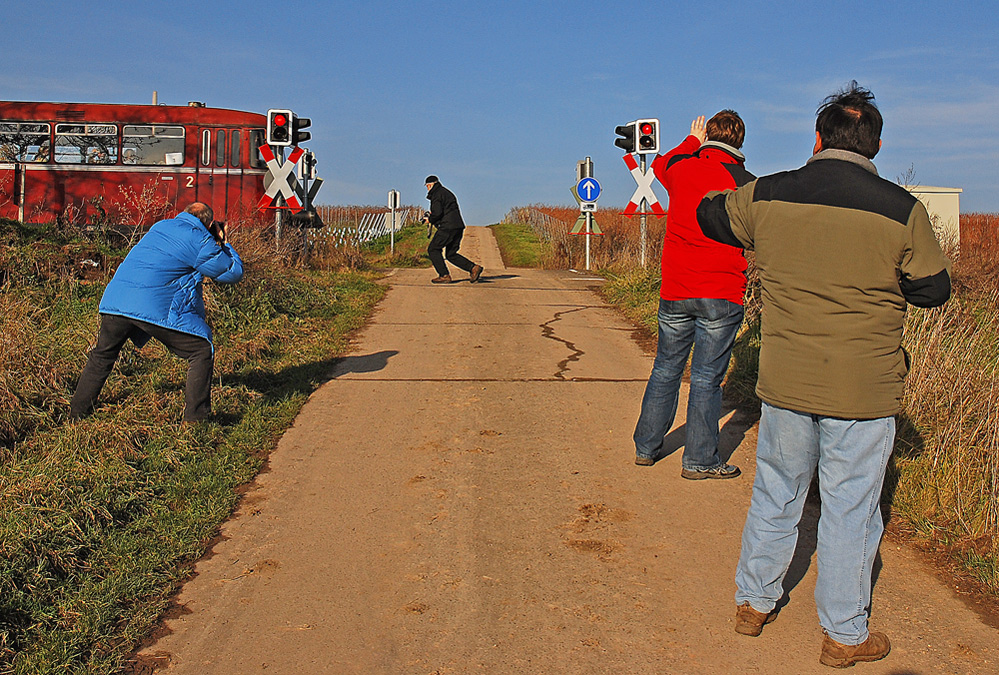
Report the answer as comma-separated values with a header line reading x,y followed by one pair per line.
x,y
640,137
285,129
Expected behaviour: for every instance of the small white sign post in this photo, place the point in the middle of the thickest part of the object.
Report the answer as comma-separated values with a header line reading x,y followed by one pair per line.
x,y
393,204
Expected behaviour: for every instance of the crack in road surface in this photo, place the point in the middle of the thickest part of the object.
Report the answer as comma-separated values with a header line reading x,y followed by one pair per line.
x,y
548,332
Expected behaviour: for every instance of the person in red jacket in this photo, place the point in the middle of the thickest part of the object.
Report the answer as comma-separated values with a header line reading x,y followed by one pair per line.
x,y
700,299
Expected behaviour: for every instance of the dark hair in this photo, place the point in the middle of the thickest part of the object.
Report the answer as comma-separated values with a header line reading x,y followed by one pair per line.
x,y
849,120
727,127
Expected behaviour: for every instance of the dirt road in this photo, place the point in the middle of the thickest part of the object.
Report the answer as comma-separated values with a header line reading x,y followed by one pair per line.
x,y
461,498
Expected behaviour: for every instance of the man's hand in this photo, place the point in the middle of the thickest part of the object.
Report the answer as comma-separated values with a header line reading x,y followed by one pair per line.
x,y
217,229
698,129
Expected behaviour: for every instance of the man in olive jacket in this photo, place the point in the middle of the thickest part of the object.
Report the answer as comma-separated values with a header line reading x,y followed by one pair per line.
x,y
445,215
840,251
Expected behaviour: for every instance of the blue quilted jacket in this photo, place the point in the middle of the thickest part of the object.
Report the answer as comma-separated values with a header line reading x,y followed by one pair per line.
x,y
159,281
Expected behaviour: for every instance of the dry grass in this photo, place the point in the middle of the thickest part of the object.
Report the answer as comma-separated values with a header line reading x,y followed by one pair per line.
x,y
618,248
947,457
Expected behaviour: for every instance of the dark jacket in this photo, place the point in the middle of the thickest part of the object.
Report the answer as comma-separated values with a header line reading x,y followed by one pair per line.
x,y
840,251
444,212
694,266
160,280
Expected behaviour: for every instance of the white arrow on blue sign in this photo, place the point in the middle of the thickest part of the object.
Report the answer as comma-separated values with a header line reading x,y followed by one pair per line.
x,y
588,189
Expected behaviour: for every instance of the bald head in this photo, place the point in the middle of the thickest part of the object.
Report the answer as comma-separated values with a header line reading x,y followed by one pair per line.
x,y
202,212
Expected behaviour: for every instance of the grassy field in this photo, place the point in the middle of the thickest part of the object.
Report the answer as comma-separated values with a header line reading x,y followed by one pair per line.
x,y
519,246
101,519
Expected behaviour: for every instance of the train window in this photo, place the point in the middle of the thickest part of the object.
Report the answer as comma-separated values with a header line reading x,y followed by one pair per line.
x,y
86,143
256,140
206,147
24,142
220,148
234,144
146,144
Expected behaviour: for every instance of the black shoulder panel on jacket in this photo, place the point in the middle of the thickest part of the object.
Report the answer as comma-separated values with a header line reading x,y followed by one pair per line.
x,y
838,183
739,174
676,158
928,291
713,219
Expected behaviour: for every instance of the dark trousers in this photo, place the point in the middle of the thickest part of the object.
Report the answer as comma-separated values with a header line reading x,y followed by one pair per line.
x,y
445,244
114,332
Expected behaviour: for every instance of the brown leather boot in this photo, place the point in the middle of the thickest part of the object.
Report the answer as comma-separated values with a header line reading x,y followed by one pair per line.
x,y
837,655
476,273
750,622
446,279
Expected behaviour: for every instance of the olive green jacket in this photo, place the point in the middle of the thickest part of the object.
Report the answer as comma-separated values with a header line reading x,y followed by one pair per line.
x,y
840,251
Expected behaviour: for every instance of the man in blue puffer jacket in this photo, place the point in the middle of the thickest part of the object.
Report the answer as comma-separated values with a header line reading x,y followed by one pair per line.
x,y
156,293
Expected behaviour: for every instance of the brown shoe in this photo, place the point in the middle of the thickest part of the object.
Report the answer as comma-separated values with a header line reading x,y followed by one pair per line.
x,y
476,273
750,622
446,279
641,460
837,655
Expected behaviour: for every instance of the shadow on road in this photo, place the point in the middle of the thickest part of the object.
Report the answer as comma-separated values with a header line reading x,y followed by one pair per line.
x,y
730,436
362,363
305,378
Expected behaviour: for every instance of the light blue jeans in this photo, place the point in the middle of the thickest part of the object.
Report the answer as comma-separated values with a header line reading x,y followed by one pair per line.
x,y
709,326
851,457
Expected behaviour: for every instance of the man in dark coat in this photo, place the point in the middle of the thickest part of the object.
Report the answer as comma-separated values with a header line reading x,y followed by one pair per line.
x,y
445,215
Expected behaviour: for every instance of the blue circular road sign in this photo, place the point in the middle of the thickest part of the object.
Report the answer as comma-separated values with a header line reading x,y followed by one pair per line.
x,y
588,189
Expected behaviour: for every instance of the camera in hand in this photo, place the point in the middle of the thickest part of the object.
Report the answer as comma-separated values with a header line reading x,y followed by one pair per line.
x,y
217,228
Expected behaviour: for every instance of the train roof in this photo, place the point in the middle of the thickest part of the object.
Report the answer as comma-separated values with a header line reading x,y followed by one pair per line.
x,y
123,112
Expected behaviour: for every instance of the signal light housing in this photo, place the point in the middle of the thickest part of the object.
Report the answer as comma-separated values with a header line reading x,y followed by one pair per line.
x,y
647,136
628,135
297,135
279,125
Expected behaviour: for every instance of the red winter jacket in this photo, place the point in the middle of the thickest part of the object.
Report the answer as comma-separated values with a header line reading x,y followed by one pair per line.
x,y
694,266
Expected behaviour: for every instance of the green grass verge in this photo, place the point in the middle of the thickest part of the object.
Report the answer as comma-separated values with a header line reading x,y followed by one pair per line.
x,y
410,248
518,244
102,519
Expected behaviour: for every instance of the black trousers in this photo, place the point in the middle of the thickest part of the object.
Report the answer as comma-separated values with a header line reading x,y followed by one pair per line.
x,y
115,331
445,244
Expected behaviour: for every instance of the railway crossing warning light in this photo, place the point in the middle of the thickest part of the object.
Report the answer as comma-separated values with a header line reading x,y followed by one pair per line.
x,y
279,126
648,136
297,124
627,140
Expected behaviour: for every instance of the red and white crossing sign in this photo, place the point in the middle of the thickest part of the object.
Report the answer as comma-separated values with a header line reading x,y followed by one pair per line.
x,y
644,189
280,175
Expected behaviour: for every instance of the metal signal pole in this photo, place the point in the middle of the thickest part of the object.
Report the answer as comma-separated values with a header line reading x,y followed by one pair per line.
x,y
645,207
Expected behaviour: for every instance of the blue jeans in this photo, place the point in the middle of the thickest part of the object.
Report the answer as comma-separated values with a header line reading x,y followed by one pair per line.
x,y
710,326
851,456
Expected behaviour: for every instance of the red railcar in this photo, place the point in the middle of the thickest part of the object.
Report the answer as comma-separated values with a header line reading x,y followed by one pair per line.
x,y
131,164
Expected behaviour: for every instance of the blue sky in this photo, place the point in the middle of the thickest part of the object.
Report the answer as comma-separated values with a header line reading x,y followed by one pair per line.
x,y
502,99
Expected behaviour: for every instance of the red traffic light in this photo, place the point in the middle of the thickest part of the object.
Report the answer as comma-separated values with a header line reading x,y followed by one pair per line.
x,y
280,120
647,128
